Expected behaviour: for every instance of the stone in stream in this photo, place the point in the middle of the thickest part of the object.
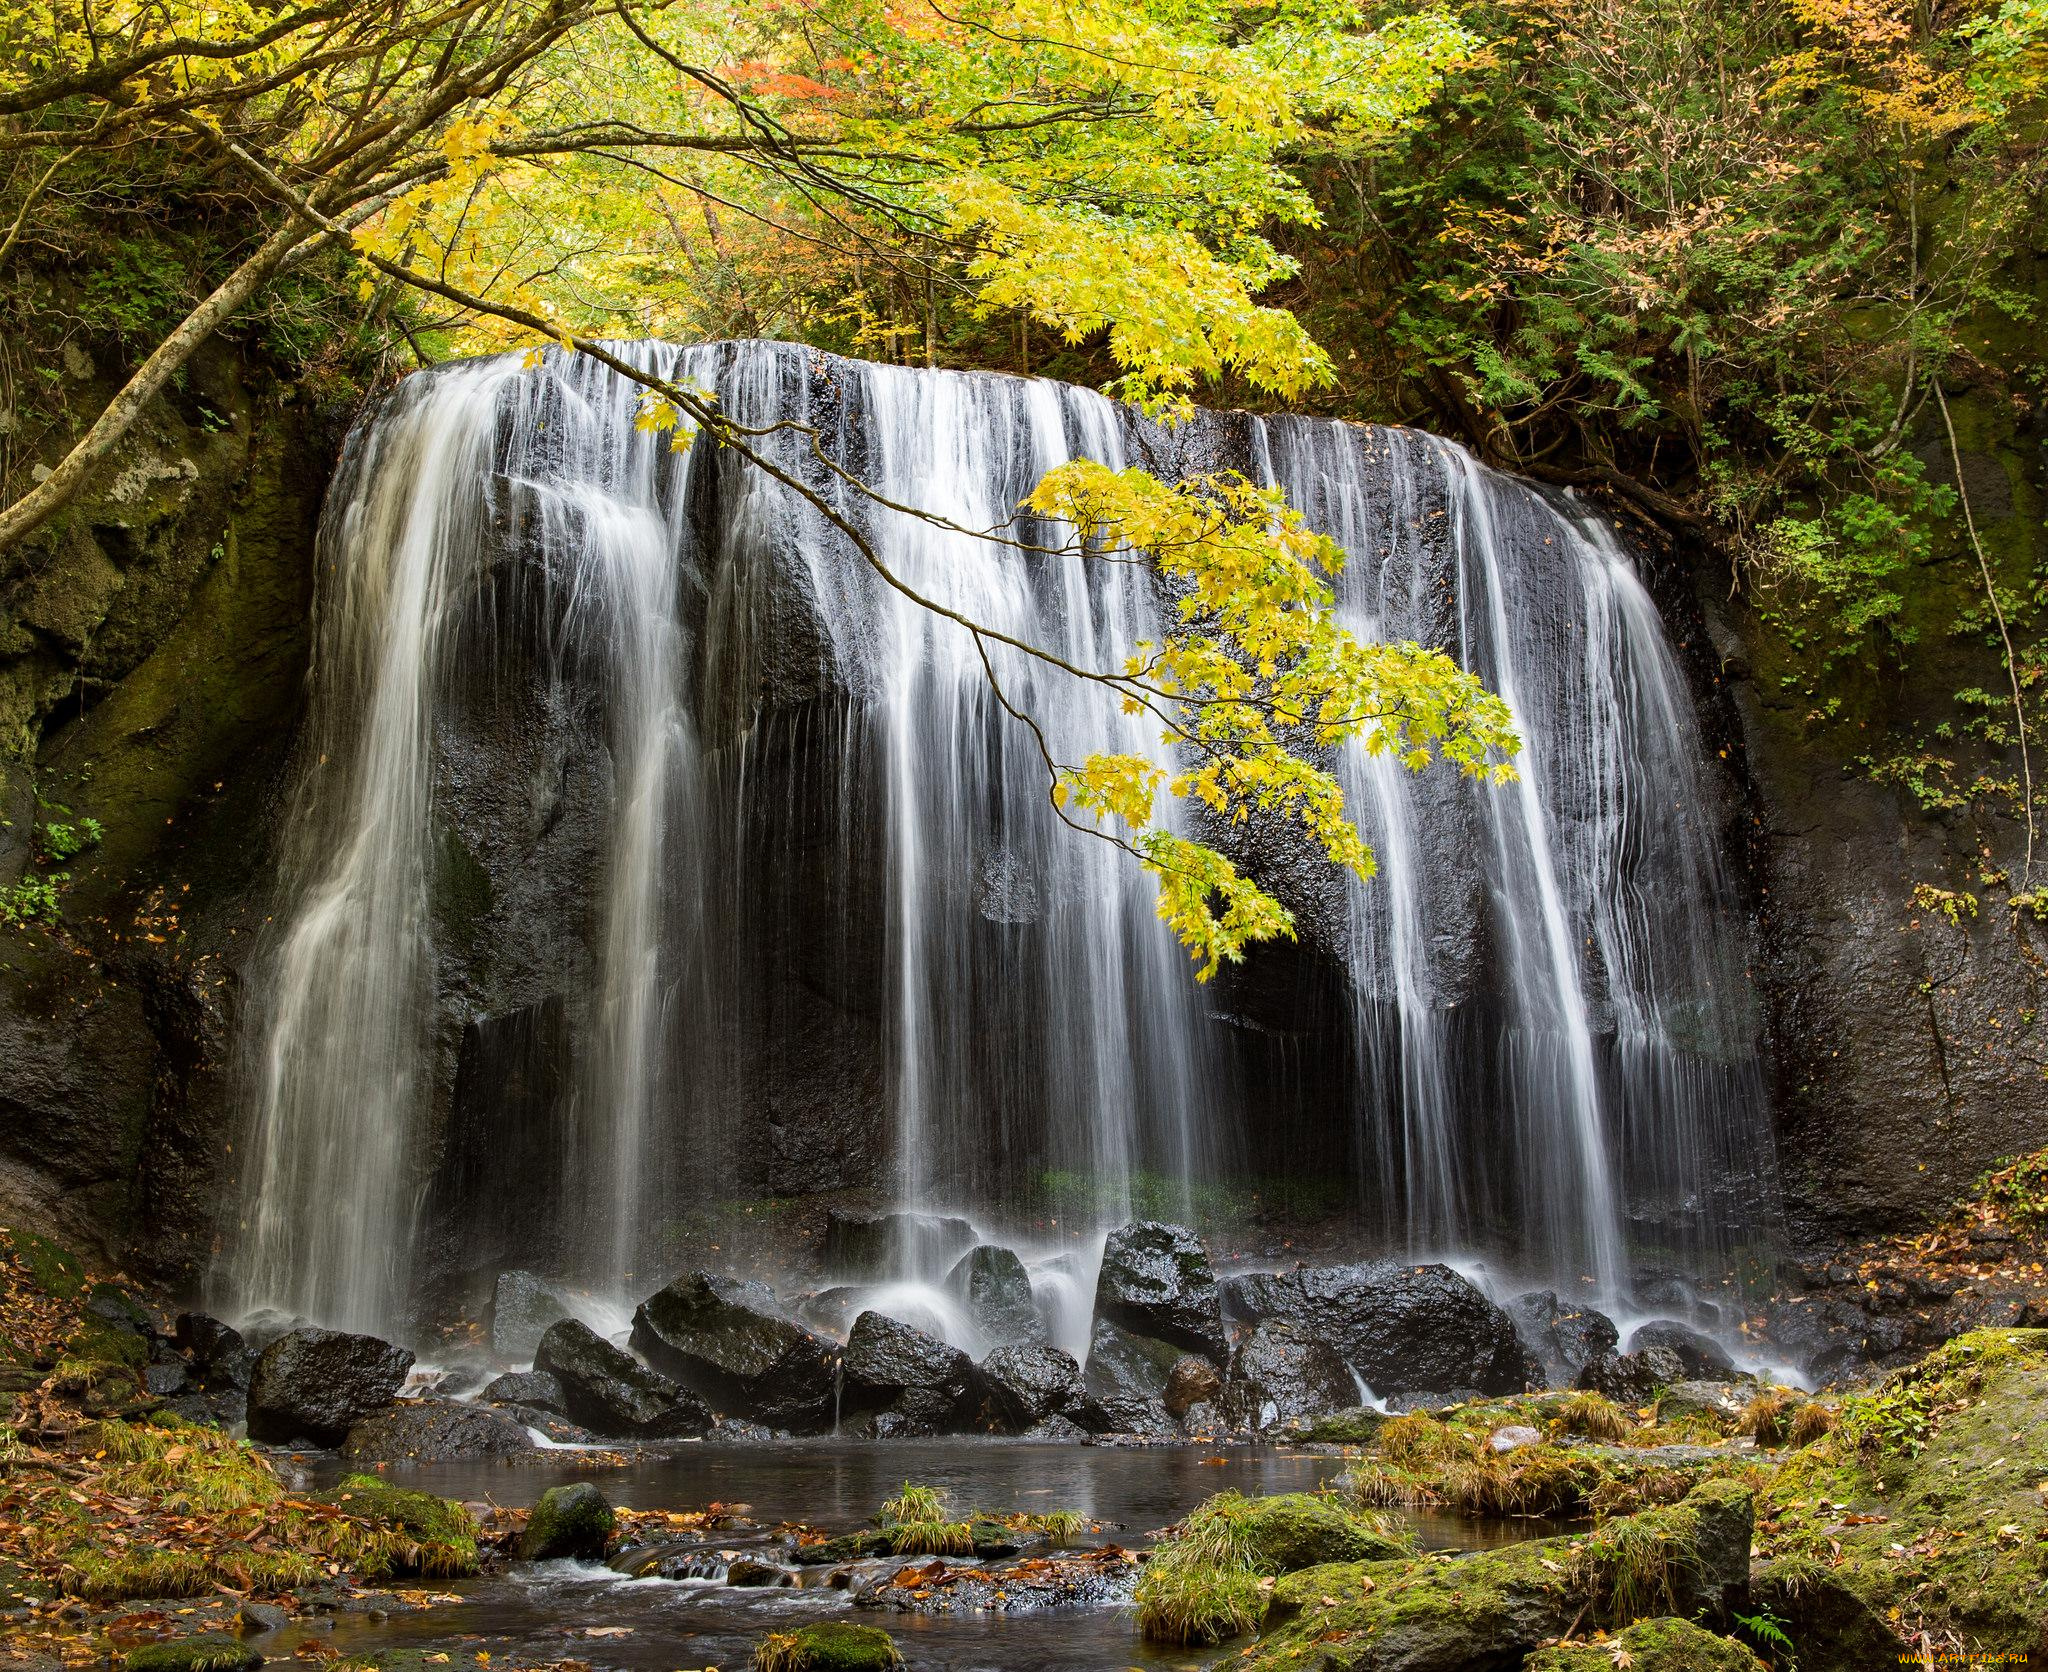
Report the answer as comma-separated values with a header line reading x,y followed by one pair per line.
x,y
535,1390
997,1291
1156,1281
866,1246
1704,1359
1405,1329
725,1338
1122,1365
569,1521
314,1384
612,1393
1022,1386
1127,1414
1562,1337
890,1367
1278,1372
435,1431
830,1646
522,1309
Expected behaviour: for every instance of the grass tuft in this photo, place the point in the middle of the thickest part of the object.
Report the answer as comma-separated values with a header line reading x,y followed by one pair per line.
x,y
1595,1416
1811,1422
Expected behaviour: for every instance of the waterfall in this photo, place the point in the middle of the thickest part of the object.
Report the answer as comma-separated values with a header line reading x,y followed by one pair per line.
x,y
649,851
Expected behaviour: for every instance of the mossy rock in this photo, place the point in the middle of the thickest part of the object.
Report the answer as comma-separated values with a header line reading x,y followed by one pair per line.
x,y
569,1521
51,1267
1449,1614
1665,1645
830,1647
209,1652
1359,1426
848,1547
1946,1459
1307,1529
405,1532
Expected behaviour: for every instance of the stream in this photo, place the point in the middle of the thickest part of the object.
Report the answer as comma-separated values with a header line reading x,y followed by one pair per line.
x,y
579,1611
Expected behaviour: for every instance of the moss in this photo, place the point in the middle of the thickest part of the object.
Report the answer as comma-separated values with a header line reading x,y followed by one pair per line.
x,y
54,1269
391,1531
1443,1614
1664,1645
1204,1585
1356,1427
209,1652
1921,1512
830,1647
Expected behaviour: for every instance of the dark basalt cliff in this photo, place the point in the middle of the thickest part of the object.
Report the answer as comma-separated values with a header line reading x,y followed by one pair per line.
x,y
153,649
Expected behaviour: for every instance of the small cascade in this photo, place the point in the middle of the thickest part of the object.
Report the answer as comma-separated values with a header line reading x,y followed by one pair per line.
x,y
651,854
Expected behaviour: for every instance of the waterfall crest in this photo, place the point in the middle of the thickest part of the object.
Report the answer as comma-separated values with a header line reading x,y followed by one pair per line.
x,y
648,850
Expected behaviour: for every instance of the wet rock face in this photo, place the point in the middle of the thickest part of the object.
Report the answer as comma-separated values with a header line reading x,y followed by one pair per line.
x,y
612,1393
1156,1281
862,1247
1279,1372
315,1384
1192,1381
435,1431
1122,1365
1561,1336
534,1390
890,1367
997,1292
220,1357
1405,1329
1023,1386
728,1340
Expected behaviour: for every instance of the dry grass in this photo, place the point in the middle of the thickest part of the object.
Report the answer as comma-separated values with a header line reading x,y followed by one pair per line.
x,y
1767,1419
1811,1422
1595,1416
1417,1438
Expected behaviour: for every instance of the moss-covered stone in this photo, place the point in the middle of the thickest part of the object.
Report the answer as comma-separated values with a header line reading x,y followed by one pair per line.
x,y
1307,1529
829,1647
208,1652
1449,1614
1355,1427
403,1532
1921,1513
569,1521
1650,1646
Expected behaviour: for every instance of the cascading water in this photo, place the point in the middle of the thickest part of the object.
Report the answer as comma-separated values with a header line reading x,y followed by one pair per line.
x,y
635,802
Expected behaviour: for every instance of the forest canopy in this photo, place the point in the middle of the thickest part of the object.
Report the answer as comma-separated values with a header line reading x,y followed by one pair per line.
x,y
1714,259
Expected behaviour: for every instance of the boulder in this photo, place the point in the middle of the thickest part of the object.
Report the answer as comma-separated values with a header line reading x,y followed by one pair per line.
x,y
1156,1281
532,1390
314,1384
435,1431
1562,1337
997,1292
522,1308
830,1646
1715,1404
1704,1359
890,1366
1022,1386
1278,1373
862,1247
220,1357
265,1325
1120,1414
569,1521
1193,1380
1632,1378
1513,1437
1404,1328
726,1339
1122,1365
612,1393
1659,1645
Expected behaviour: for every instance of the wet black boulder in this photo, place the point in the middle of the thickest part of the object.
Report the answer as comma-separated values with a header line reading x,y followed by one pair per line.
x,y
997,1291
1632,1378
1022,1386
523,1308
314,1384
726,1339
612,1393
1703,1358
533,1390
1156,1281
435,1431
1404,1328
1278,1372
1563,1337
892,1367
